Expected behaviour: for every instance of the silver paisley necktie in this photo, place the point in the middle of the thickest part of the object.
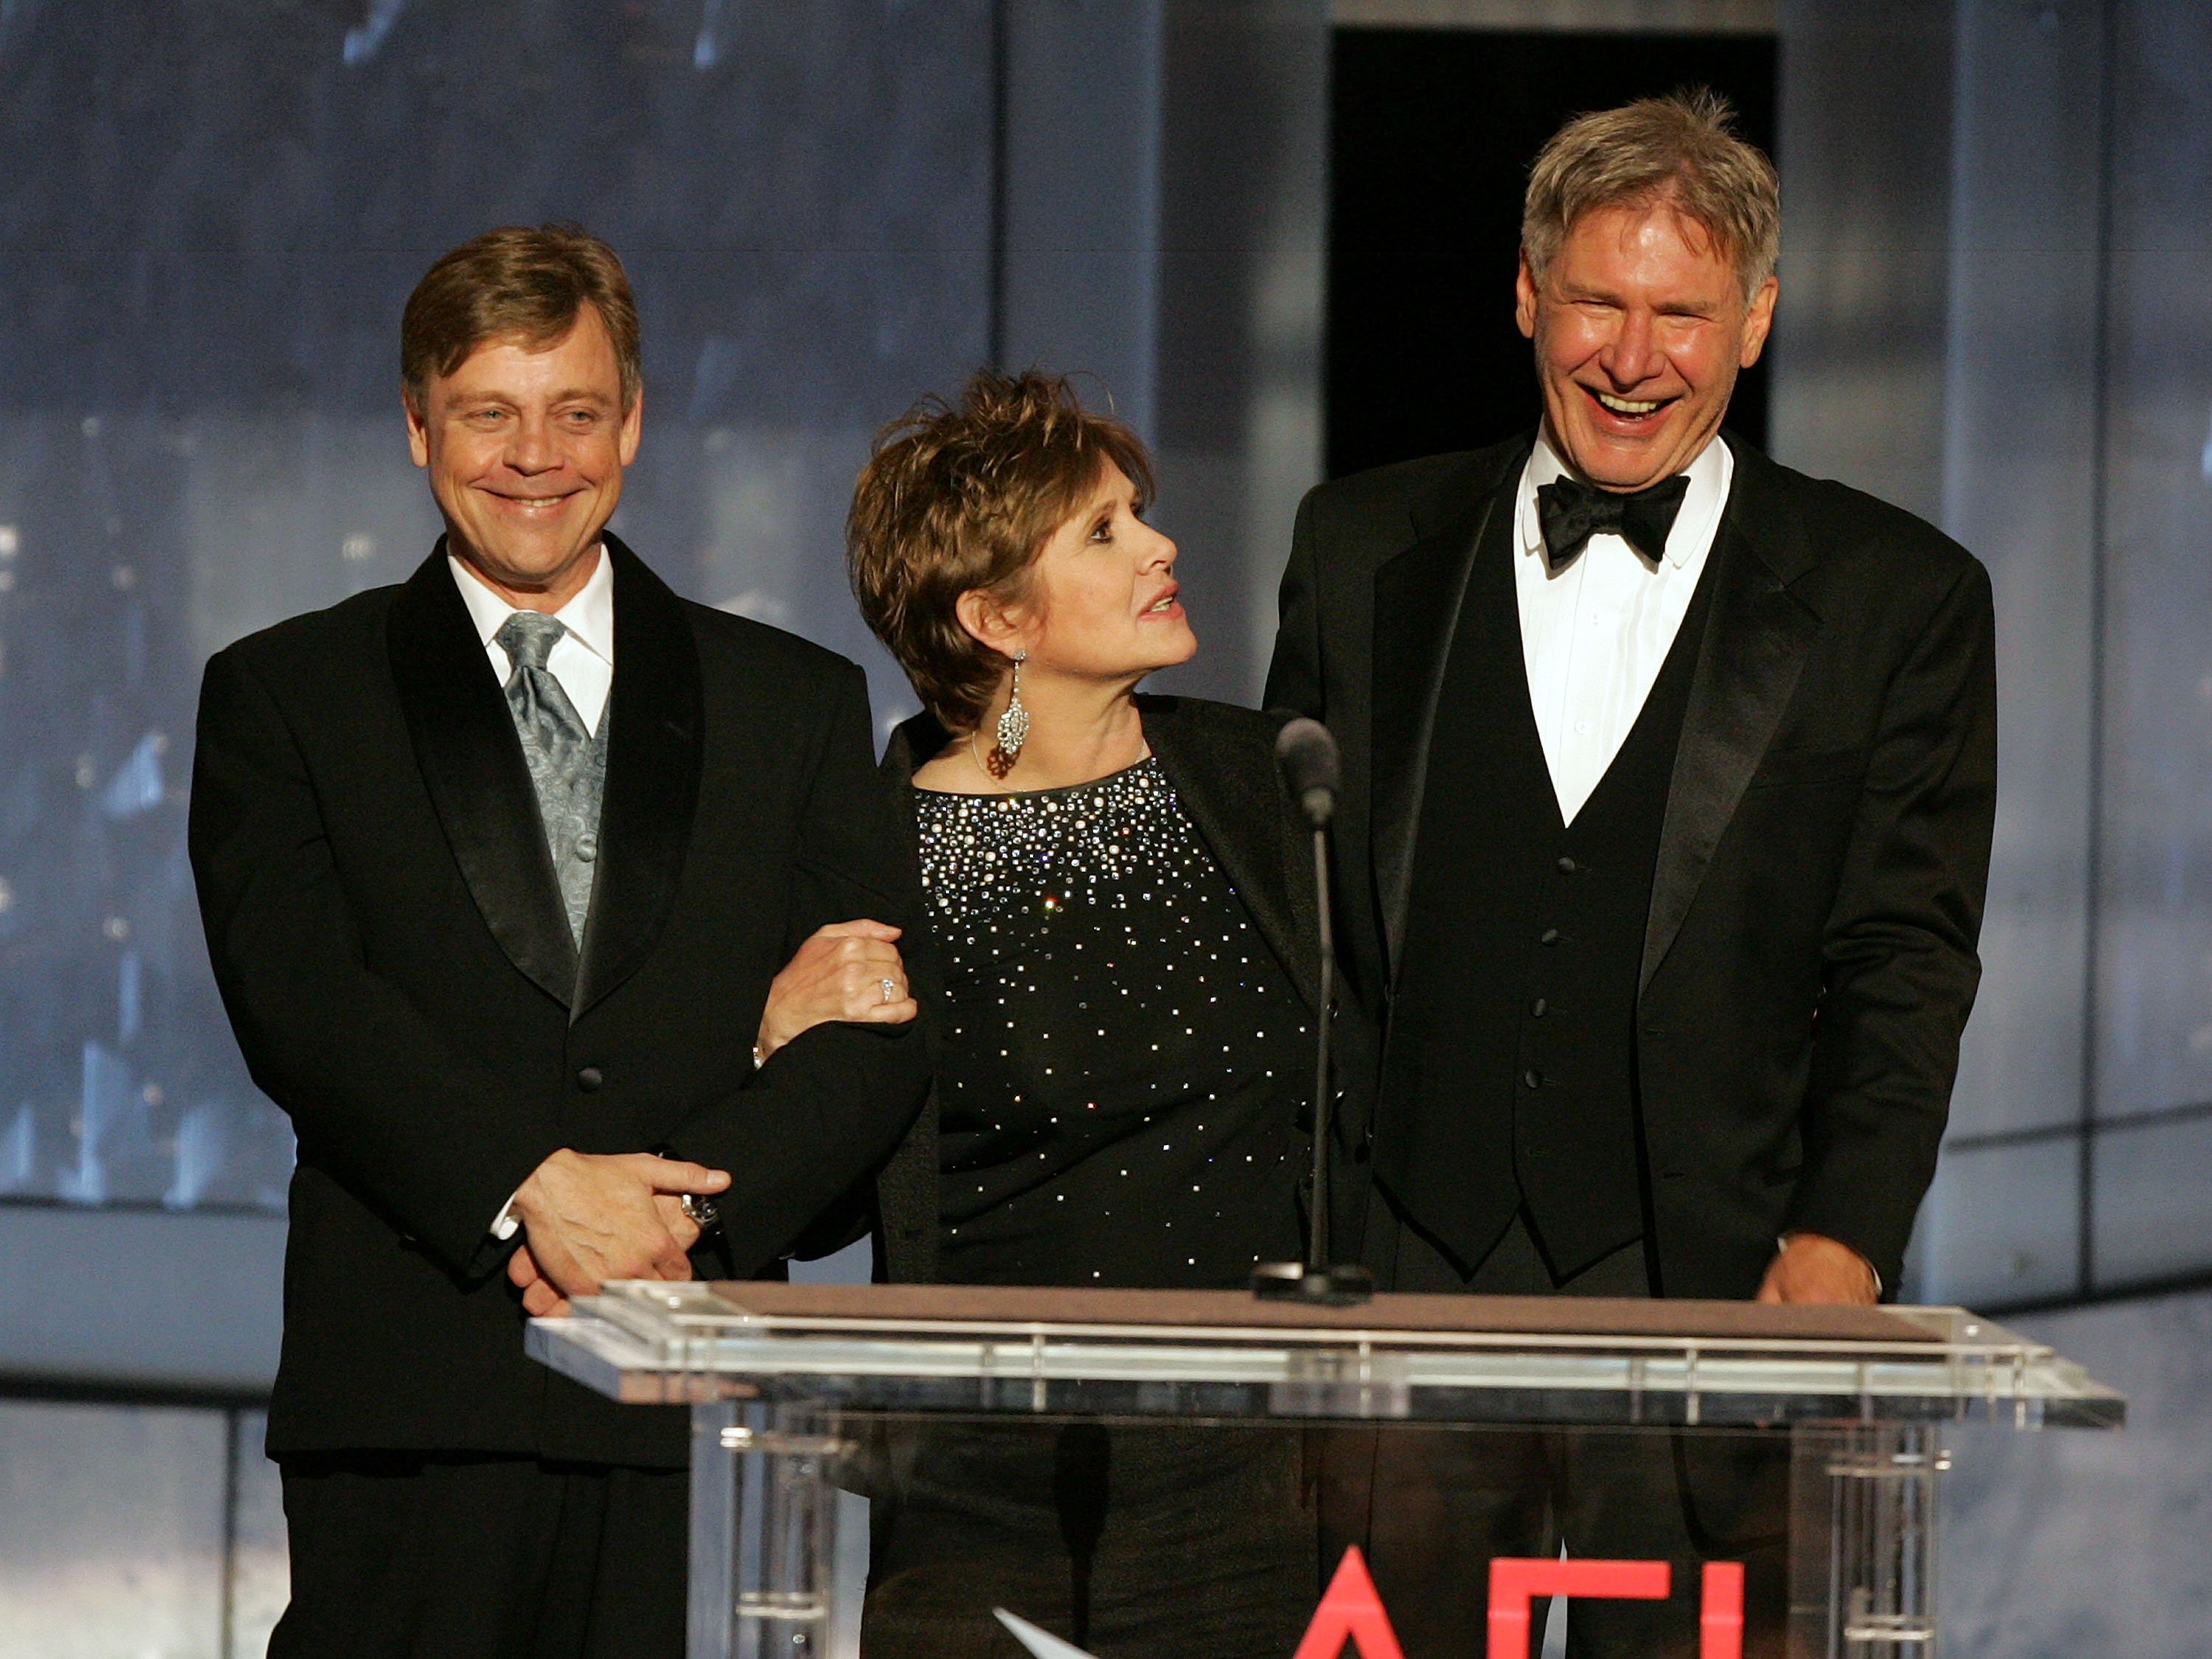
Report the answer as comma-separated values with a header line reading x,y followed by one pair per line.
x,y
568,765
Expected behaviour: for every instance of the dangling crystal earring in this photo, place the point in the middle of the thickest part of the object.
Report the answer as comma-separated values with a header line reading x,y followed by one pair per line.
x,y
1013,726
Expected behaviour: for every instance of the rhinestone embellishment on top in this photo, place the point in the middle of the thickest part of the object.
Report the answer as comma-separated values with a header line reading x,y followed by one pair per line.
x,y
986,855
1119,1050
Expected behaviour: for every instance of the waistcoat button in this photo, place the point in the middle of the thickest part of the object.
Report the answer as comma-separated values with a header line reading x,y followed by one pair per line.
x,y
589,1078
1568,866
1549,936
1533,1078
1536,1011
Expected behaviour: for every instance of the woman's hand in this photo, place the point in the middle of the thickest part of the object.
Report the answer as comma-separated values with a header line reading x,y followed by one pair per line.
x,y
848,971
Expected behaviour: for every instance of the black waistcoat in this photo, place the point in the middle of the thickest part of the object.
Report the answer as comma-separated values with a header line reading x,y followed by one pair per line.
x,y
1513,1027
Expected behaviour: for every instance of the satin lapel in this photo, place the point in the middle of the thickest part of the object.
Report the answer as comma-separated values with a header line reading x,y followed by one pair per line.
x,y
472,764
656,745
1756,639
1417,602
1238,809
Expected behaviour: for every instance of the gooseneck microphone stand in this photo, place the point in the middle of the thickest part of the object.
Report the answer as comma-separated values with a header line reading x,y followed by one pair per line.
x,y
1307,754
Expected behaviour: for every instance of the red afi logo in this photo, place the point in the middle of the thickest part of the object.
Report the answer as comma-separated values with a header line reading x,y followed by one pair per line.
x,y
1353,1611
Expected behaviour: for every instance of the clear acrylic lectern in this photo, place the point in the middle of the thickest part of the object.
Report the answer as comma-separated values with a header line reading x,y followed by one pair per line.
x,y
794,1389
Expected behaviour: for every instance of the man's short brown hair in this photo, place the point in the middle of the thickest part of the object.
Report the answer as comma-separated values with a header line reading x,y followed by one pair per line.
x,y
516,283
963,497
1681,151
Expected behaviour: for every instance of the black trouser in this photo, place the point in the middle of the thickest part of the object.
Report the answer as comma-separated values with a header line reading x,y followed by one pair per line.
x,y
1431,1507
1134,1541
405,1555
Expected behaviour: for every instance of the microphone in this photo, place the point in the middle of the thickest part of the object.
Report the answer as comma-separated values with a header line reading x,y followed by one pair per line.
x,y
1306,755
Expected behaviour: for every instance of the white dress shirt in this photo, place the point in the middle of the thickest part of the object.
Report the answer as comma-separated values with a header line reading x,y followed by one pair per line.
x,y
1594,635
582,660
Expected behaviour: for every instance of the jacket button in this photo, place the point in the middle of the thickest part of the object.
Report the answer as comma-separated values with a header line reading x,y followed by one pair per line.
x,y
1536,1008
589,1078
1533,1078
1549,936
1568,866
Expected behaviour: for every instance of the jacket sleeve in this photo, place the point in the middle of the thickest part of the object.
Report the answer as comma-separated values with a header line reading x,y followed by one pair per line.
x,y
818,1121
1900,962
431,1138
1294,676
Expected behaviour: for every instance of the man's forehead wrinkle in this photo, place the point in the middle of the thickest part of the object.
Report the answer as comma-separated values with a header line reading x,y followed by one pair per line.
x,y
519,339
534,343
527,343
1639,221
1637,213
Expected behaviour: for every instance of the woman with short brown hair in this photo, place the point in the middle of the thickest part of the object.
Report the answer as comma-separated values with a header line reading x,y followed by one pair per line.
x,y
961,499
1139,845
1123,917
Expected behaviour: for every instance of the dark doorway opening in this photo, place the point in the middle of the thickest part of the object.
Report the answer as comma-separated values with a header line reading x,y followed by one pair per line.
x,y
1431,134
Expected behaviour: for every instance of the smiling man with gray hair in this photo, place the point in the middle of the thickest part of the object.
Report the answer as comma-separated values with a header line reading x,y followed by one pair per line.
x,y
1670,778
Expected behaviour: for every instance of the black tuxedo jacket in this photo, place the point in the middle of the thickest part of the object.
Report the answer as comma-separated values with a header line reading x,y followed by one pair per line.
x,y
390,944
1221,760
1809,960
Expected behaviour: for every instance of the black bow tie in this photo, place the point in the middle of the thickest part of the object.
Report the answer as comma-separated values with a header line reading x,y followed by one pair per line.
x,y
1571,511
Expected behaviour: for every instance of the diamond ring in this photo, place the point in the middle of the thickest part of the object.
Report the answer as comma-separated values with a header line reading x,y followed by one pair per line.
x,y
890,989
699,1211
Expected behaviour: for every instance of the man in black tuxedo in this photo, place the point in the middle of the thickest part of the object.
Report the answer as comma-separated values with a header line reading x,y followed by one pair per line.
x,y
497,868
1669,776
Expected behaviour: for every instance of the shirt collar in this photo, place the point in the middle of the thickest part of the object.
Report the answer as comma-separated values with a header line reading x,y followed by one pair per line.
x,y
1710,476
589,618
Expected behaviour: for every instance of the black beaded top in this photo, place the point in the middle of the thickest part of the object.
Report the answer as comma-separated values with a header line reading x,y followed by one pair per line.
x,y
1122,1059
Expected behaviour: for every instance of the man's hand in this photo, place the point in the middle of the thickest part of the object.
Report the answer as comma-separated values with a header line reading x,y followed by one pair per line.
x,y
1811,1268
839,973
587,1218
541,1301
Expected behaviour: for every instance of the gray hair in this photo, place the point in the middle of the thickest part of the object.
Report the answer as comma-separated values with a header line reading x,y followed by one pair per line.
x,y
1681,151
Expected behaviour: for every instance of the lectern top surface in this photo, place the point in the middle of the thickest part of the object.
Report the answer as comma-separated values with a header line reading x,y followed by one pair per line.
x,y
972,1305
998,1351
